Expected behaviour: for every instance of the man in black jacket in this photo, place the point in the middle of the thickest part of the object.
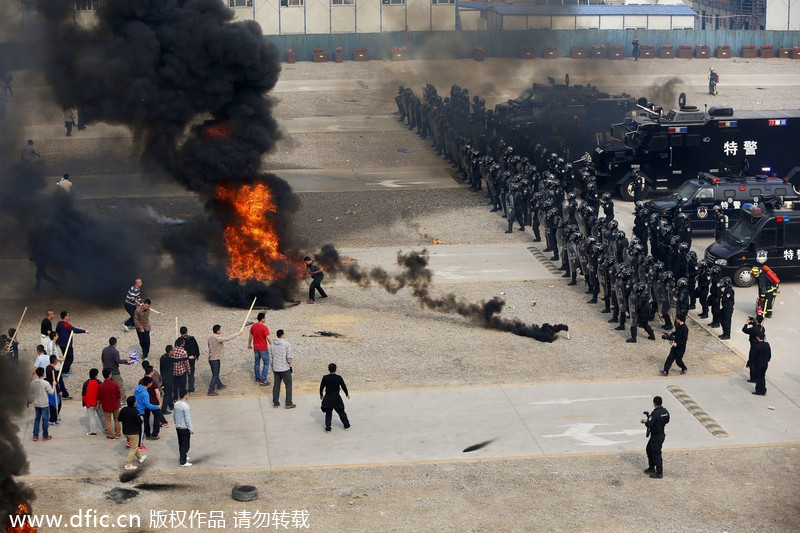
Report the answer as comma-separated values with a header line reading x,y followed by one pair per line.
x,y
192,349
762,354
331,400
679,338
655,423
754,329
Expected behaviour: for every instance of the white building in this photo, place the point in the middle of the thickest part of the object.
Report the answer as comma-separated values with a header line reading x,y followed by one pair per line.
x,y
286,17
602,17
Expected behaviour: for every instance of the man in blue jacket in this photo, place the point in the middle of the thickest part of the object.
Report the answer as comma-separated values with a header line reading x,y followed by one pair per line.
x,y
142,395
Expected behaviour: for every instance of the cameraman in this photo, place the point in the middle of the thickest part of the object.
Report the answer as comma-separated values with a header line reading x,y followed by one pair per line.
x,y
753,328
655,423
678,338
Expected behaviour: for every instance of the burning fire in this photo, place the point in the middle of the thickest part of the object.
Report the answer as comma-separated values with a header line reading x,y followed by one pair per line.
x,y
22,510
252,243
219,129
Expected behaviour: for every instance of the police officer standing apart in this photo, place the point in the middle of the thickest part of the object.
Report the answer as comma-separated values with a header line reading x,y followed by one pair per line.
x,y
639,186
762,354
655,423
755,330
726,297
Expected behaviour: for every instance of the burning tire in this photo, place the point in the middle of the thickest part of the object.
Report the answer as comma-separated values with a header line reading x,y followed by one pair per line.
x,y
244,493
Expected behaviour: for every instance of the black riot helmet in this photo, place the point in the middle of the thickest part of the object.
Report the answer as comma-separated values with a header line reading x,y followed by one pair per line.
x,y
658,266
682,282
667,275
683,247
691,256
638,205
639,287
724,282
606,196
716,270
571,196
649,260
702,264
613,224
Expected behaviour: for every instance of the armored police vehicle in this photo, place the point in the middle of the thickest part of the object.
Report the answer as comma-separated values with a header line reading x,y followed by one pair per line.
x,y
763,235
560,116
699,196
666,149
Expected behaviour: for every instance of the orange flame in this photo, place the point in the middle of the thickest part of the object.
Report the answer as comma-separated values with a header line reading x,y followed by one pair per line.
x,y
437,241
252,243
220,129
22,509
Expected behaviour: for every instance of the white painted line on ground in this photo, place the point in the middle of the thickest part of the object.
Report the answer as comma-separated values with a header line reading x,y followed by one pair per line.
x,y
567,401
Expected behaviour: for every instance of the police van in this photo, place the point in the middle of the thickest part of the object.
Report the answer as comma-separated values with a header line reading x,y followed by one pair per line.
x,y
700,195
668,148
764,235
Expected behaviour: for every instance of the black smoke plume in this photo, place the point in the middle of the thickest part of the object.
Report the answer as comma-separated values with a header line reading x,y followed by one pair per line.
x,y
13,462
417,277
192,86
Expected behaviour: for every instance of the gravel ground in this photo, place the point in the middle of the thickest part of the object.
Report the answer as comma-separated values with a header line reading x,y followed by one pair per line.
x,y
730,490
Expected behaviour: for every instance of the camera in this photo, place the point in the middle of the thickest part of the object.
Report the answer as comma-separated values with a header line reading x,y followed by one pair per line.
x,y
668,336
647,416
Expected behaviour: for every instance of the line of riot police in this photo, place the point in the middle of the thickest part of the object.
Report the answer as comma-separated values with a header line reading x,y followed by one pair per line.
x,y
560,199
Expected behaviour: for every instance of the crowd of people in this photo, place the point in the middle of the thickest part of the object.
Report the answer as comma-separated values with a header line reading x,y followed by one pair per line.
x,y
160,391
650,275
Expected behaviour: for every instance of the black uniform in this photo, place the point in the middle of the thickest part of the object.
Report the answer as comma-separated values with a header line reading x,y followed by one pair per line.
x,y
726,301
640,314
680,336
761,356
754,330
655,423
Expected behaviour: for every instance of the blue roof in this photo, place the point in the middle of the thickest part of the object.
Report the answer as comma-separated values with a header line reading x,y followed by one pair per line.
x,y
557,10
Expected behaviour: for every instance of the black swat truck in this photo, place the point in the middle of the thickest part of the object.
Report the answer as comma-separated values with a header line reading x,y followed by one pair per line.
x,y
765,234
569,119
699,196
668,148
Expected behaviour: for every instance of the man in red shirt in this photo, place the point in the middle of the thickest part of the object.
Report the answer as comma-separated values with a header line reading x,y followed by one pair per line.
x,y
259,342
110,396
91,402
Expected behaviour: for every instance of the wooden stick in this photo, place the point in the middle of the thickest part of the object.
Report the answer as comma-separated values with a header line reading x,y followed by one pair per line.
x,y
60,370
156,312
16,331
248,313
176,328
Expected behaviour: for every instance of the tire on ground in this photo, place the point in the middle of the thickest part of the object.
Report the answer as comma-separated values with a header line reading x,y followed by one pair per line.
x,y
244,493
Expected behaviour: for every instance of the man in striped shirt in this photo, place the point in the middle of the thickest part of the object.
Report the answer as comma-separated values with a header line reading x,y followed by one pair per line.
x,y
132,300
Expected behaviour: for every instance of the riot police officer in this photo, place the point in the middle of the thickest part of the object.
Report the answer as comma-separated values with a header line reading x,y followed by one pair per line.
x,y
727,302
713,298
703,283
678,338
639,186
572,253
639,305
663,297
608,205
682,298
655,423
720,223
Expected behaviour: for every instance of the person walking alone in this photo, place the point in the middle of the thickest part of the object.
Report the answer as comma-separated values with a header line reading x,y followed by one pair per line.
x,y
183,425
315,271
282,369
331,399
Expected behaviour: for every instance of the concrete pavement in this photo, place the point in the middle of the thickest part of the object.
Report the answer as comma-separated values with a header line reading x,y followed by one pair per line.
x,y
413,426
